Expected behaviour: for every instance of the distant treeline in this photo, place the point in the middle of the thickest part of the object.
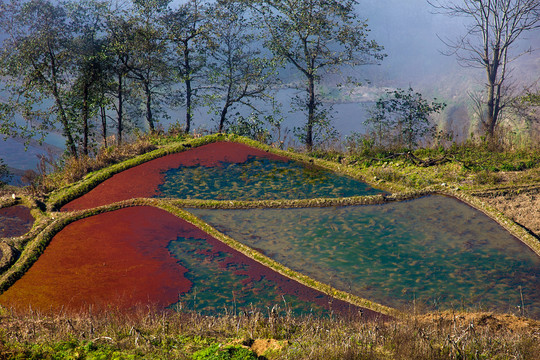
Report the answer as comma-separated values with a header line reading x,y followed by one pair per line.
x,y
95,67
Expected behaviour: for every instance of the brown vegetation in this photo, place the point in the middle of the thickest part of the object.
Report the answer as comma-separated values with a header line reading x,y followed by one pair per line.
x,y
155,335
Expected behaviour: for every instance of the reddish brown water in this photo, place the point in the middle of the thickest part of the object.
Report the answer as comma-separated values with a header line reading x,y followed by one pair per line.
x,y
15,221
118,259
143,180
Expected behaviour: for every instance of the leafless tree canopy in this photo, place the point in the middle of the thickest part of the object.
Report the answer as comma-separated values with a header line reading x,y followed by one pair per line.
x,y
487,43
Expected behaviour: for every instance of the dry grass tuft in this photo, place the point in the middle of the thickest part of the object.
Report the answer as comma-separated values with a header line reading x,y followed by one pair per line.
x,y
154,334
73,169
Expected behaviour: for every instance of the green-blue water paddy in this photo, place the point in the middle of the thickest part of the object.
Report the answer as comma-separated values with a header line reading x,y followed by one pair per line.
x,y
259,179
430,253
223,286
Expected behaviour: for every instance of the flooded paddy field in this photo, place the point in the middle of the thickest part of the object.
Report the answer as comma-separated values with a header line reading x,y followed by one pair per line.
x,y
225,281
117,259
15,221
222,170
433,253
259,178
142,256
143,180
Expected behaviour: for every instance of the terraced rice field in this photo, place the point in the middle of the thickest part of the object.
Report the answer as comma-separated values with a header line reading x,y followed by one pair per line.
x,y
15,221
430,253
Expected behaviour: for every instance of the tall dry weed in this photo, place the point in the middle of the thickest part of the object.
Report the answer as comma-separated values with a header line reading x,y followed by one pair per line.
x,y
55,174
168,334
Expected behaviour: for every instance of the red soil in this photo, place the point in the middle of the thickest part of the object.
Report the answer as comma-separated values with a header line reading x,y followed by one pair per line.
x,y
15,221
117,259
143,180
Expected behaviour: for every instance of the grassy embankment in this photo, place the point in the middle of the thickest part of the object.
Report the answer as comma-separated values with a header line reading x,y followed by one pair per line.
x,y
465,172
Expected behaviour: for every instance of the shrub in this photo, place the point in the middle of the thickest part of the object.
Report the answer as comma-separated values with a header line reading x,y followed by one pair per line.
x,y
485,177
401,117
72,169
251,127
360,144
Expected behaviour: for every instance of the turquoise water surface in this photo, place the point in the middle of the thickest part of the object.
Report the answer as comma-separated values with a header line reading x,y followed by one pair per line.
x,y
259,179
222,285
434,252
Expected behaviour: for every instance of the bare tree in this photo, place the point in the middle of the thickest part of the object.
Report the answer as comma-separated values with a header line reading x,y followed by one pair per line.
x,y
491,35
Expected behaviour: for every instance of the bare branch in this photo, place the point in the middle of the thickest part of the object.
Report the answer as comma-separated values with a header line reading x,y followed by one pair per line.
x,y
493,29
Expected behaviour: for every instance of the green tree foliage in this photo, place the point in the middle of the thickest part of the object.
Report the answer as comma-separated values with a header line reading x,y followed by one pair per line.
x,y
4,173
149,65
401,118
75,64
119,53
252,127
315,36
531,99
90,66
526,108
36,66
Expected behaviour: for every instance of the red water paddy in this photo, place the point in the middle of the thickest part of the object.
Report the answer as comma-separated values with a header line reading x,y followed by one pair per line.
x,y
119,260
15,221
143,180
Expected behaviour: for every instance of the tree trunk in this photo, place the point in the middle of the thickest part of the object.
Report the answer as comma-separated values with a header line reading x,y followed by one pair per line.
x,y
490,121
189,91
311,112
70,143
493,99
188,106
104,125
149,117
120,95
85,119
223,117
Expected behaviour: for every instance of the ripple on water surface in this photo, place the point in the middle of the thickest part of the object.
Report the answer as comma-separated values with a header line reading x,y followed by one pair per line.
x,y
259,178
226,281
142,256
435,250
